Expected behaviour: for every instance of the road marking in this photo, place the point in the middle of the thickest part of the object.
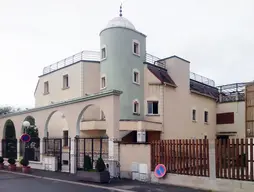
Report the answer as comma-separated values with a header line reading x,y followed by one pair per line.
x,y
70,182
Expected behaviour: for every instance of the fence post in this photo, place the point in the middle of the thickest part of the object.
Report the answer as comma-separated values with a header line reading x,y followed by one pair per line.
x,y
1,148
18,149
73,156
212,159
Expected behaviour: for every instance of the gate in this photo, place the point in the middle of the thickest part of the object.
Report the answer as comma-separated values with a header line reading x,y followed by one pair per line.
x,y
54,147
9,148
93,147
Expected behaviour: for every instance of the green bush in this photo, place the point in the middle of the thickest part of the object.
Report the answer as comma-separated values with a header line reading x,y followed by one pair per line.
x,y
87,163
11,161
24,162
1,160
100,165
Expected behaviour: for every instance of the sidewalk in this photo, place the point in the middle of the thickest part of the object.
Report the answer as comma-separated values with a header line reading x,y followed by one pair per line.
x,y
125,184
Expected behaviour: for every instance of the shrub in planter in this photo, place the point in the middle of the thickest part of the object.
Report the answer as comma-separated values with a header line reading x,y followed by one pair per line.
x,y
87,163
99,175
12,164
25,167
100,165
1,162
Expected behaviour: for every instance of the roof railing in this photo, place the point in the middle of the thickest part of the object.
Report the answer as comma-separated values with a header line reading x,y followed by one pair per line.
x,y
84,55
155,60
202,79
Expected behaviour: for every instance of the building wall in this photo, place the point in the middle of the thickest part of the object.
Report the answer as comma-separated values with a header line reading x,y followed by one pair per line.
x,y
176,104
119,64
56,92
239,118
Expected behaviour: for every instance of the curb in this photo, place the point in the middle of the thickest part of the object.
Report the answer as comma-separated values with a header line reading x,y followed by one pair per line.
x,y
66,181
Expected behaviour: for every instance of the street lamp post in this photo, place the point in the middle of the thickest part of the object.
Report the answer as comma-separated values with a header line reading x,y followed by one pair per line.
x,y
26,125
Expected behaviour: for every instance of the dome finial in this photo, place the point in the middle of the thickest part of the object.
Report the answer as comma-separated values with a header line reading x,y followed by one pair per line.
x,y
121,11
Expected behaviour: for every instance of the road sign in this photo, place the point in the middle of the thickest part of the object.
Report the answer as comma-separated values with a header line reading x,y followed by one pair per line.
x,y
160,171
25,138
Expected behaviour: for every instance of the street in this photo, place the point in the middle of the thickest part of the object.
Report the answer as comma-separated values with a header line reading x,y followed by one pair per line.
x,y
11,183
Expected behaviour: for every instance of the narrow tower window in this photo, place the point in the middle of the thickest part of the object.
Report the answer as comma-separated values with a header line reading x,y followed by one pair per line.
x,y
65,81
136,47
103,82
103,52
136,107
135,76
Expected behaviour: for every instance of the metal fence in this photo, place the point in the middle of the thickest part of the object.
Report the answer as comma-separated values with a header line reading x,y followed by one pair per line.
x,y
93,147
31,150
9,148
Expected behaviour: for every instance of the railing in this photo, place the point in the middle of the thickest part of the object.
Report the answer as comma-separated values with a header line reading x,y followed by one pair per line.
x,y
93,56
84,55
202,79
155,60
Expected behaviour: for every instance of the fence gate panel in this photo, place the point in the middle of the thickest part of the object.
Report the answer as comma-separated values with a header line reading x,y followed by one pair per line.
x,y
93,147
9,148
53,147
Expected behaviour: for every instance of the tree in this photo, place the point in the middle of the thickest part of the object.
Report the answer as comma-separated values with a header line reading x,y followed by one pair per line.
x,y
8,109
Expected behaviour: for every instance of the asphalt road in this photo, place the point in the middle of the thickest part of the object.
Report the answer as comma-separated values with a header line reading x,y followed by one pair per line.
x,y
12,183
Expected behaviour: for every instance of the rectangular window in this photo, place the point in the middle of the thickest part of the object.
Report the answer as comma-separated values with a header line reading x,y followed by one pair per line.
x,y
206,116
65,81
153,107
194,115
136,77
103,82
66,138
225,118
136,47
46,87
136,107
103,53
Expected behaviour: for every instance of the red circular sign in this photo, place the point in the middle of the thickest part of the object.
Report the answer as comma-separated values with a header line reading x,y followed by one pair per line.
x,y
25,138
160,171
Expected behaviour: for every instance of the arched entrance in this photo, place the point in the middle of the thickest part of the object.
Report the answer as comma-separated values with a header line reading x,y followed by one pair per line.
x,y
9,141
31,149
57,141
91,139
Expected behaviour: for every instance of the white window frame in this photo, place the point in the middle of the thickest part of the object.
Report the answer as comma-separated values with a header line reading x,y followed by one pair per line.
x,y
194,120
206,122
133,107
103,76
104,47
65,86
133,76
147,104
133,43
45,92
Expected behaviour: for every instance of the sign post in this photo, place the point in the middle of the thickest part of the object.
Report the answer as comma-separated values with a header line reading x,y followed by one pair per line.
x,y
160,171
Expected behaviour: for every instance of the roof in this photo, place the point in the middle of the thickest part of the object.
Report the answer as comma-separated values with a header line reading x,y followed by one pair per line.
x,y
204,89
161,74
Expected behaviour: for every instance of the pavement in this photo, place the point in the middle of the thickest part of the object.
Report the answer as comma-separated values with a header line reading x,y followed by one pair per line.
x,y
42,181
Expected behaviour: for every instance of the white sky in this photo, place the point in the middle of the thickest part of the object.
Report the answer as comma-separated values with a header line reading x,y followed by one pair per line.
x,y
215,35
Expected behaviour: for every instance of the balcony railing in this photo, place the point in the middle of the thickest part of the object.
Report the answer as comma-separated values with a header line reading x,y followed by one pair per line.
x,y
84,55
93,56
155,60
202,79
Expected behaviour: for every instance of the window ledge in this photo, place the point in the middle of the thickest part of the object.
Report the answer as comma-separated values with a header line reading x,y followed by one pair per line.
x,y
152,114
104,59
64,88
194,121
206,123
136,83
136,54
103,88
46,93
138,114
